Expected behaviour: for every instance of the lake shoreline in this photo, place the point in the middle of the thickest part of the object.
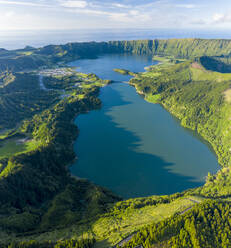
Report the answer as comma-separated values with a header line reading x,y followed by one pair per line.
x,y
194,132
83,131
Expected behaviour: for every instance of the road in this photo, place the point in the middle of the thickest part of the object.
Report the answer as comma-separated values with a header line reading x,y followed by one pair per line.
x,y
124,241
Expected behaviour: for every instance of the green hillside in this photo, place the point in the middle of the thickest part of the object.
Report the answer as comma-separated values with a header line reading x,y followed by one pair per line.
x,y
42,205
30,59
183,48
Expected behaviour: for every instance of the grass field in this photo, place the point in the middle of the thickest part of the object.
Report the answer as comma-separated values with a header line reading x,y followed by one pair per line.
x,y
167,60
205,75
117,224
152,98
4,133
14,147
116,227
90,85
227,95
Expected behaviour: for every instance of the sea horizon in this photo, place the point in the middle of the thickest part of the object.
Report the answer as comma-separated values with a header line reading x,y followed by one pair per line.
x,y
17,39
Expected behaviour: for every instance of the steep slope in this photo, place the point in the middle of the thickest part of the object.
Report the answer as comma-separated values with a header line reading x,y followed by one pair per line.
x,y
41,201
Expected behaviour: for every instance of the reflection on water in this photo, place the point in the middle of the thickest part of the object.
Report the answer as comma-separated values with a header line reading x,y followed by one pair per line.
x,y
133,147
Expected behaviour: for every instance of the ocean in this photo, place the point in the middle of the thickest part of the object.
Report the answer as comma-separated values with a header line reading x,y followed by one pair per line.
x,y
15,39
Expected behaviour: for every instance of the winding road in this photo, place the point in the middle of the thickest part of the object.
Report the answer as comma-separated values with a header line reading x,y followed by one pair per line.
x,y
124,241
41,84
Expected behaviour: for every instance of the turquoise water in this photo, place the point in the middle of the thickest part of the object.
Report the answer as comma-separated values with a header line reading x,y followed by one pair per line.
x,y
133,147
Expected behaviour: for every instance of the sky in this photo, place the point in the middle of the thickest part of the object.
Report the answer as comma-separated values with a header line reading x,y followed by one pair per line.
x,y
108,14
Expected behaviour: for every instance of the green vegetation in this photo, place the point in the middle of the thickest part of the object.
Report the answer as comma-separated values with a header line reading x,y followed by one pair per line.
x,y
42,205
129,216
73,81
206,225
21,98
17,146
201,100
177,48
40,149
120,220
196,97
152,98
31,58
84,243
125,72
200,74
216,63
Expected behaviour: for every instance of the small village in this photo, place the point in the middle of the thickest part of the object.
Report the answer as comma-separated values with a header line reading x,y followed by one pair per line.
x,y
56,72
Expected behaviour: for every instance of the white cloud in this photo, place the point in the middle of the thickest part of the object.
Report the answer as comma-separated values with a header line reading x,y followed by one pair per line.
x,y
134,12
187,6
74,4
132,16
90,12
123,17
198,22
221,18
96,13
9,14
118,5
218,17
6,2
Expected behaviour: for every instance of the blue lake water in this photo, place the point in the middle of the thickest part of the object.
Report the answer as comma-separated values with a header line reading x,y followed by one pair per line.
x,y
133,147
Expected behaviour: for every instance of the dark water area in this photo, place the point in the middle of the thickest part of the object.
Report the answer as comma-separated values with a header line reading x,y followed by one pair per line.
x,y
133,147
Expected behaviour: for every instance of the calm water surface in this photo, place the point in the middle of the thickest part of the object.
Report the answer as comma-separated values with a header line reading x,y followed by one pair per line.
x,y
13,39
133,147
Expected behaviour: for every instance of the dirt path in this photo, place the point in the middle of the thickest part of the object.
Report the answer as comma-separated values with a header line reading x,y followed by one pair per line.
x,y
195,201
124,241
187,209
41,84
196,66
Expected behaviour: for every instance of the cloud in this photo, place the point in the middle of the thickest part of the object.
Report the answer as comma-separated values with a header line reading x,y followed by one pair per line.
x,y
9,14
6,2
88,11
116,16
74,4
105,13
133,16
187,6
198,22
118,5
221,18
134,12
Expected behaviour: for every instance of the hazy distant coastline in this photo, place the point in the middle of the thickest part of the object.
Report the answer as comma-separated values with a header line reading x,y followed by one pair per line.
x,y
15,39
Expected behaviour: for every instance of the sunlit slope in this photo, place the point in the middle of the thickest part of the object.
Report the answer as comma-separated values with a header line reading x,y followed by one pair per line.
x,y
205,225
31,58
195,96
39,198
121,220
185,48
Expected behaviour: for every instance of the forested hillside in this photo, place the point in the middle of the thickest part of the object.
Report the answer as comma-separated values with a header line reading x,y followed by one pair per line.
x,y
183,48
42,205
36,190
30,58
196,97
206,225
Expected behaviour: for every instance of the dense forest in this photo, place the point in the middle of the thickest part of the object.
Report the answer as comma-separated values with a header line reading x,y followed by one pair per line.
x,y
196,98
42,205
21,97
83,243
34,182
31,58
206,225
